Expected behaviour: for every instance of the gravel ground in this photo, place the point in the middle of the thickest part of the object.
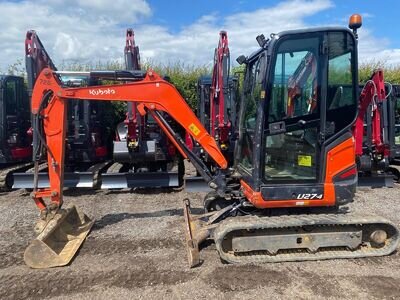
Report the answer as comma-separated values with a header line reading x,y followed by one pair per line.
x,y
136,250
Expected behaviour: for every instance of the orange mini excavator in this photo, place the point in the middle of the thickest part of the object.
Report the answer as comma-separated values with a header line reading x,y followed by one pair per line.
x,y
294,166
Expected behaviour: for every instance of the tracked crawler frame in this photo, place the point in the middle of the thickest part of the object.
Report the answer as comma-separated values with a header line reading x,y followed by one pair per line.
x,y
262,239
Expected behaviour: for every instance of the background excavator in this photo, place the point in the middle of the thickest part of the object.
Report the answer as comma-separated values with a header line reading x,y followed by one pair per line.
x,y
143,155
373,133
217,105
87,142
386,160
394,115
293,168
15,141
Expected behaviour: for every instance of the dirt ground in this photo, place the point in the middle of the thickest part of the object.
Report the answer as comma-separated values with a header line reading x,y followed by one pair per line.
x,y
136,251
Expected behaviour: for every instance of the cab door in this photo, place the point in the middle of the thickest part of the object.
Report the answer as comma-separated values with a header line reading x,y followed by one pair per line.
x,y
294,121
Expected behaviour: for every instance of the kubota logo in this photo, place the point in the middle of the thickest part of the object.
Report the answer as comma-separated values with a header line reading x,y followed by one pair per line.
x,y
96,92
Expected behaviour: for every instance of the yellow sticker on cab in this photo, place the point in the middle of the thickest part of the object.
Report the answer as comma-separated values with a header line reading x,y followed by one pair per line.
x,y
194,129
304,160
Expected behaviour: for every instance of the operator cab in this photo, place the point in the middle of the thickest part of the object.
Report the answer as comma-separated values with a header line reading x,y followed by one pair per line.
x,y
298,106
14,120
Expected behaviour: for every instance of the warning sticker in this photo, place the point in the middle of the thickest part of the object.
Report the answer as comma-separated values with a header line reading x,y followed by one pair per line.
x,y
304,160
193,128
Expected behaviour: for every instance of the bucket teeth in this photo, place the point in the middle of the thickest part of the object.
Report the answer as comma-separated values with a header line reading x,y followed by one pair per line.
x,y
59,240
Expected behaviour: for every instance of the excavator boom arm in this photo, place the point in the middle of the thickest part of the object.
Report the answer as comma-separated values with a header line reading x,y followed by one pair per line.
x,y
150,91
220,122
36,58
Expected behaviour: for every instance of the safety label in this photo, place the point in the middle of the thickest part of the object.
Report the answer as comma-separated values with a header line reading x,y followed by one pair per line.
x,y
304,160
193,128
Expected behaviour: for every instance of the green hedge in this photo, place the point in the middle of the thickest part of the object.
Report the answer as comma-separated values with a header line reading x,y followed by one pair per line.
x,y
185,77
391,72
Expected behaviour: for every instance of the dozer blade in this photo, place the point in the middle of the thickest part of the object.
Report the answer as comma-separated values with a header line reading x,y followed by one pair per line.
x,y
139,180
196,185
377,181
60,239
71,180
192,246
196,232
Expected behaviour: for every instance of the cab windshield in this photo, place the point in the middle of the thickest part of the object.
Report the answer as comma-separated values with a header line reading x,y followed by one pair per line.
x,y
301,115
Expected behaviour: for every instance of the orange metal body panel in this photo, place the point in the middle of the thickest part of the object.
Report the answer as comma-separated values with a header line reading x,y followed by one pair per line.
x,y
152,92
338,159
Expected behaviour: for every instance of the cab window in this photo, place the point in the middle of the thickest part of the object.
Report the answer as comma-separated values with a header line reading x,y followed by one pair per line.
x,y
253,92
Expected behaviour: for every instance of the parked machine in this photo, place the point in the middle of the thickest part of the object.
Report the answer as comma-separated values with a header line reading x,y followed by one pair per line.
x,y
217,105
143,154
15,141
394,130
379,156
395,124
293,168
373,132
87,148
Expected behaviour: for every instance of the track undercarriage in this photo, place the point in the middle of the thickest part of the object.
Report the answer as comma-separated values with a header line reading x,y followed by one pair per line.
x,y
256,238
7,173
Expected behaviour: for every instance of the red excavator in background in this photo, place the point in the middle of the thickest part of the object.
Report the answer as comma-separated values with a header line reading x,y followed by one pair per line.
x,y
292,170
372,133
87,148
394,121
217,105
381,143
15,121
143,154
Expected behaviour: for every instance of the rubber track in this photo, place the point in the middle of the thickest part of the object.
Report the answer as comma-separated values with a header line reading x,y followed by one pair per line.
x,y
254,223
97,169
6,172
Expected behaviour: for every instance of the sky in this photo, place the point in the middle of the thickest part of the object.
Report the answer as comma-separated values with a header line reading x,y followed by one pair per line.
x,y
166,32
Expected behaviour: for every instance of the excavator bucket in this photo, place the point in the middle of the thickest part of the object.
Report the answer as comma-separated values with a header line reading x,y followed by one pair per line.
x,y
60,239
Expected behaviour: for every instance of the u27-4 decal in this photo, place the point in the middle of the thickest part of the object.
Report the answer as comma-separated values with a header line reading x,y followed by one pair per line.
x,y
309,196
